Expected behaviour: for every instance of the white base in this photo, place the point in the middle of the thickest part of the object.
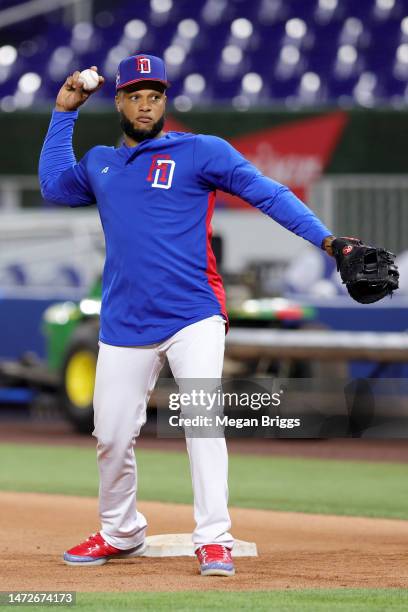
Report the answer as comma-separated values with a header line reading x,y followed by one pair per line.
x,y
180,545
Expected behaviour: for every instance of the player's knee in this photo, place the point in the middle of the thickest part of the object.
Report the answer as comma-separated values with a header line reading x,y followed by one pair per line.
x,y
106,445
117,441
110,443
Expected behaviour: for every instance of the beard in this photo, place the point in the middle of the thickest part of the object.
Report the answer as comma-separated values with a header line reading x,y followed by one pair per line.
x,y
140,135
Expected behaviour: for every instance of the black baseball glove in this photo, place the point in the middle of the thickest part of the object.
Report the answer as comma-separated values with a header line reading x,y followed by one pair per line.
x,y
368,272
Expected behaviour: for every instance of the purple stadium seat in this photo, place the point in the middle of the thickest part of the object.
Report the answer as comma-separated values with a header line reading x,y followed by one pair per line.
x,y
278,41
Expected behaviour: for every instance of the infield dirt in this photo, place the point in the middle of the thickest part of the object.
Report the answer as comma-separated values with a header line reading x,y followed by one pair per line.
x,y
295,550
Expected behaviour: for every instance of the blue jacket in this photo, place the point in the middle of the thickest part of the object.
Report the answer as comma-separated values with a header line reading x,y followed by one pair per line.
x,y
155,202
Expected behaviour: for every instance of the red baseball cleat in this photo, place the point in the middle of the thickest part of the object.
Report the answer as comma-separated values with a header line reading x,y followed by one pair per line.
x,y
95,551
215,560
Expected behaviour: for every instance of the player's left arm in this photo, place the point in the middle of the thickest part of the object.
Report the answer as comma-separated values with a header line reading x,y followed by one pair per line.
x,y
223,167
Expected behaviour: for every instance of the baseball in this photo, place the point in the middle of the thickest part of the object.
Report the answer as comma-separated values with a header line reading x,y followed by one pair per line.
x,y
90,79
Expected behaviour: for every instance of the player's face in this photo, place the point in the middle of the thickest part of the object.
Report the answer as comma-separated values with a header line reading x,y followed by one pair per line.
x,y
142,112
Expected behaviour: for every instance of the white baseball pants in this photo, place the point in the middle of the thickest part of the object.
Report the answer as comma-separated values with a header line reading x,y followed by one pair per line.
x,y
125,378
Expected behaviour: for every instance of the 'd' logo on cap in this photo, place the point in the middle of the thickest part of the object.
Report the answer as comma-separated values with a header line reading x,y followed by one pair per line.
x,y
143,65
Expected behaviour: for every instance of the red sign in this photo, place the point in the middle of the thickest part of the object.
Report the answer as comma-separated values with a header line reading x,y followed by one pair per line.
x,y
295,155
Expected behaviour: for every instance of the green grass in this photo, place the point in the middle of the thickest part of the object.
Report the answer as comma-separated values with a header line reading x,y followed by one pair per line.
x,y
304,485
311,600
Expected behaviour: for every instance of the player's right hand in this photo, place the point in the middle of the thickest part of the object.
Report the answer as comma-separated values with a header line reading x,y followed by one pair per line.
x,y
72,94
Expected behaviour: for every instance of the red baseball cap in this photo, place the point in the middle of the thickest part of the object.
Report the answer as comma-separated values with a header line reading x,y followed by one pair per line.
x,y
141,67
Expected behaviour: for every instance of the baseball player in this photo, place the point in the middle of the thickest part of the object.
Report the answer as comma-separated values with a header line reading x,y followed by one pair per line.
x,y
162,296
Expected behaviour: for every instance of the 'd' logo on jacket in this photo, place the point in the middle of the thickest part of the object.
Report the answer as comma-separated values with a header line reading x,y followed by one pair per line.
x,y
161,171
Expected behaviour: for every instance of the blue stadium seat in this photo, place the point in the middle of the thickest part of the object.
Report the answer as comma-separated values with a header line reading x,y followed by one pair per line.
x,y
222,41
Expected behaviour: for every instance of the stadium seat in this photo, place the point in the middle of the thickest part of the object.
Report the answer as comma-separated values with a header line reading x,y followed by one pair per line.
x,y
214,48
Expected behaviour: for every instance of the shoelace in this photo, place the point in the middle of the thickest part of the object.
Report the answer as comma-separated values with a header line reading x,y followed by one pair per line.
x,y
213,550
93,539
